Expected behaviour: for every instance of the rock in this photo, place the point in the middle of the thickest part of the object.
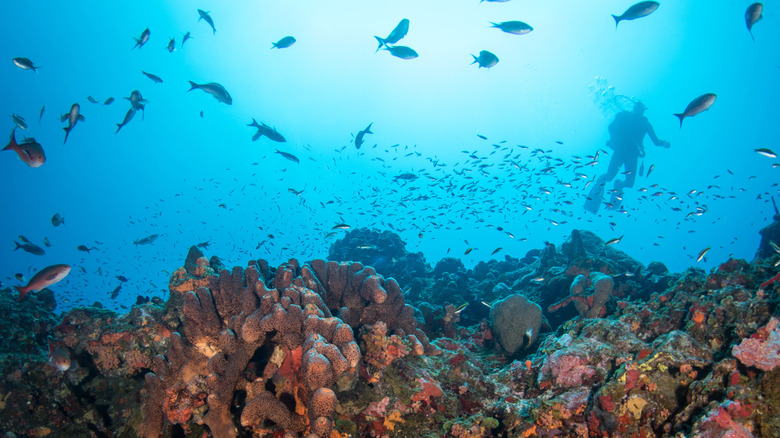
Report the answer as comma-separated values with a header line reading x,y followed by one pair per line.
x,y
515,321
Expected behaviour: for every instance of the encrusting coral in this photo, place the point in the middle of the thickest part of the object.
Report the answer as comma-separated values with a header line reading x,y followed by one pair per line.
x,y
282,346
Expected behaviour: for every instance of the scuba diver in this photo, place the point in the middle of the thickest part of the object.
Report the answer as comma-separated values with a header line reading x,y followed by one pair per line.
x,y
627,132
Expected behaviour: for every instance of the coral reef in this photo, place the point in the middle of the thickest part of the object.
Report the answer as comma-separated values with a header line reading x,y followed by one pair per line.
x,y
515,321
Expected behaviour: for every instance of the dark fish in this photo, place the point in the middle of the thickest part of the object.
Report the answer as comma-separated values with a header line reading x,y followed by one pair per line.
x,y
402,52
29,151
289,156
613,241
283,43
171,45
752,15
19,277
44,278
24,239
72,117
341,226
30,247
156,79
496,250
19,122
359,136
485,59
40,116
57,220
109,101
46,242
650,170
396,35
115,292
128,116
513,27
146,240
203,244
218,91
265,130
137,101
407,176
766,152
122,278
25,64
701,103
639,10
143,39
207,18
84,248
184,39
92,99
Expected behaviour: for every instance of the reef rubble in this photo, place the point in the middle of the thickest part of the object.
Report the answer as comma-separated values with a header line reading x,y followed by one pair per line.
x,y
581,341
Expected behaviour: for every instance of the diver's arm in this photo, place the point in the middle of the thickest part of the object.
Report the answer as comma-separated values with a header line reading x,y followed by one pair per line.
x,y
655,139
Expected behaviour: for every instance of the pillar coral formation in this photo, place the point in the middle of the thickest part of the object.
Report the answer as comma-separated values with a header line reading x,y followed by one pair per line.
x,y
589,302
281,345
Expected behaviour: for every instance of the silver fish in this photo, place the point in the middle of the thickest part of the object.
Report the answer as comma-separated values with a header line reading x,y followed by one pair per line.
x,y
139,42
402,52
25,64
701,103
72,117
513,27
218,91
396,35
289,156
19,121
171,45
265,130
485,59
156,79
207,18
752,15
639,10
146,240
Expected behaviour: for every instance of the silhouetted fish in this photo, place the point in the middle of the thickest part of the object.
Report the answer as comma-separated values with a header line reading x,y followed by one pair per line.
x,y
485,59
217,90
396,34
289,156
207,18
513,27
139,42
156,79
72,117
639,10
402,52
25,64
283,43
359,136
701,103
752,15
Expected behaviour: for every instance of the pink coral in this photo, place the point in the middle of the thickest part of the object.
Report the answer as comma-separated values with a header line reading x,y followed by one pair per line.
x,y
762,350
566,370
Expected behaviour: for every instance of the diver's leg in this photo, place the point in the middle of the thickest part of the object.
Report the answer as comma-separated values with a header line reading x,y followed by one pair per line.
x,y
593,200
631,163
617,190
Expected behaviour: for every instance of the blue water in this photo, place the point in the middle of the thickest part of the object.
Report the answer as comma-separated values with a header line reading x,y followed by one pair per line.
x,y
192,179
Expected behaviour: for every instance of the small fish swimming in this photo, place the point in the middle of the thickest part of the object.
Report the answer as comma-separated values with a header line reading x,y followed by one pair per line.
x,y
115,292
59,358
46,242
72,117
265,130
29,151
139,42
146,240
766,152
402,52
513,27
128,116
366,246
171,45
92,99
359,136
613,241
109,101
84,248
30,247
44,278
57,220
341,226
752,15
698,105
19,121
137,101
639,10
40,116
207,18
398,32
184,39
703,253
156,79
407,176
485,59
25,64
495,251
288,156
650,170
218,91
122,278
283,43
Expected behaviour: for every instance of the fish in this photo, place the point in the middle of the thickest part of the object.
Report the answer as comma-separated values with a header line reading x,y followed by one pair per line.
x,y
402,52
29,151
366,246
485,59
341,226
128,116
650,170
203,244
407,176
468,250
265,130
496,250
766,152
398,32
109,101
84,248
42,279
639,10
137,101
46,242
752,15
19,121
703,253
359,136
184,39
207,18
72,117
57,220
139,42
613,241
156,79
774,247
115,292
217,90
40,116
122,278
19,277
146,240
295,192
92,99
700,104
513,27
283,43
25,64
59,358
288,156
30,247
171,45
